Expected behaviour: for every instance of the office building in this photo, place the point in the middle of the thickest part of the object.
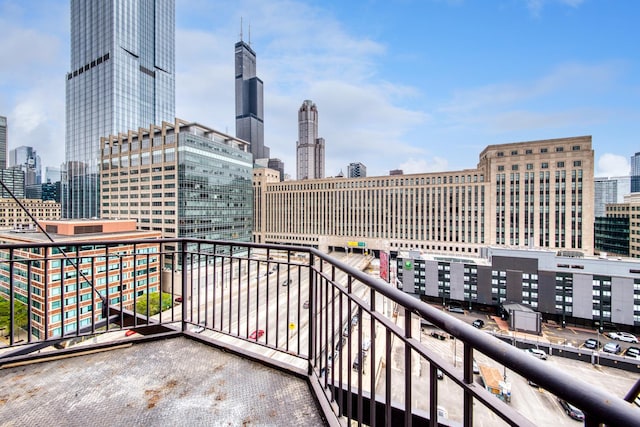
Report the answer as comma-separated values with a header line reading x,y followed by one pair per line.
x,y
3,142
249,101
13,179
356,170
277,164
617,232
309,148
562,285
55,282
635,173
122,77
27,160
526,194
51,174
13,216
395,172
180,179
609,190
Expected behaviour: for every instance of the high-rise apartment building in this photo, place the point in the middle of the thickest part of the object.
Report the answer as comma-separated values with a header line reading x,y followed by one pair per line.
x,y
27,160
3,142
249,101
609,190
526,194
309,148
635,173
356,170
181,179
122,77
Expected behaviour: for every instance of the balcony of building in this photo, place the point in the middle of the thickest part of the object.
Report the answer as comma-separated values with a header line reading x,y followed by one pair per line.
x,y
247,334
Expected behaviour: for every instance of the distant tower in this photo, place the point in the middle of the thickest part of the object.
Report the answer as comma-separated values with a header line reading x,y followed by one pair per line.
x,y
3,142
356,170
309,148
249,101
27,160
635,173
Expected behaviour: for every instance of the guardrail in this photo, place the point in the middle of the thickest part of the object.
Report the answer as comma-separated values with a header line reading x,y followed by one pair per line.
x,y
356,333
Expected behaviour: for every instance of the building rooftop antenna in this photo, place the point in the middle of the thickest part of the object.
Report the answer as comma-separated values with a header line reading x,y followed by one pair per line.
x,y
241,28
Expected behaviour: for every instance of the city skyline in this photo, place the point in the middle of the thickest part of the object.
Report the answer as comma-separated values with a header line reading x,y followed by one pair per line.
x,y
435,84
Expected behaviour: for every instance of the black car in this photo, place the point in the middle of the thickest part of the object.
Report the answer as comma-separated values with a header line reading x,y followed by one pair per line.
x,y
592,343
571,410
478,323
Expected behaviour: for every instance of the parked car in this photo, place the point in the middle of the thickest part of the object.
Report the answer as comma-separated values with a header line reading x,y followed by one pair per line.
x,y
612,347
592,343
571,410
540,354
340,344
454,309
354,320
633,352
438,335
478,323
623,336
256,334
178,300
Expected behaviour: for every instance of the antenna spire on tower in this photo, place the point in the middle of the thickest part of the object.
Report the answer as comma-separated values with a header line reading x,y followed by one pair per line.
x,y
249,34
241,28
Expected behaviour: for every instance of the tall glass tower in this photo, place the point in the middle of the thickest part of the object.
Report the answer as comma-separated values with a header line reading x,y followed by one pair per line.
x,y
635,173
122,77
249,101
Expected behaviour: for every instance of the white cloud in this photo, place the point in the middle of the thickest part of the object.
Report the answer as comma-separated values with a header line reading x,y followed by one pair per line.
x,y
435,164
612,165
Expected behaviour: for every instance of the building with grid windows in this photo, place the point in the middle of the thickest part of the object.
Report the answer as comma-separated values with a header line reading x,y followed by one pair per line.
x,y
49,275
609,190
356,170
562,285
180,179
3,142
122,76
526,194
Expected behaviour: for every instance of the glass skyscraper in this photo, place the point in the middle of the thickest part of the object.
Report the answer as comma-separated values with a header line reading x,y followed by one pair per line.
x,y
635,173
122,77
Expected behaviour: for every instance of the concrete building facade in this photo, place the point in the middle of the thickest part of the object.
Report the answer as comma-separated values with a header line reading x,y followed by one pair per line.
x,y
4,132
13,216
180,179
526,194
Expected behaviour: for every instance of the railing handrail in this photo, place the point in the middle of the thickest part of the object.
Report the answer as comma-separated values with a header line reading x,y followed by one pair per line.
x,y
595,402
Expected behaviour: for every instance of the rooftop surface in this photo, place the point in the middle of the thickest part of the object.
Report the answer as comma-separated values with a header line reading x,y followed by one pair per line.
x,y
176,382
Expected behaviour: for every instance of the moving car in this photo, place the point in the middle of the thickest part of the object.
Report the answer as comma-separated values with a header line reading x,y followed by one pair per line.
x,y
366,344
571,410
285,283
612,347
592,343
306,304
478,323
256,334
540,354
459,310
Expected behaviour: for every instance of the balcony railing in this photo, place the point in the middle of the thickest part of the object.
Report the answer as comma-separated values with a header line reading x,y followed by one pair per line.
x,y
357,337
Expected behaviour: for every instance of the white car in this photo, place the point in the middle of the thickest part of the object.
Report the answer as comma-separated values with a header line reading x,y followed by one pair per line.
x,y
540,354
623,336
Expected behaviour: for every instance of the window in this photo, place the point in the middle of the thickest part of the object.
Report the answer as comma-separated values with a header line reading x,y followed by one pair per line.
x,y
560,164
577,163
544,165
559,149
544,150
501,168
514,167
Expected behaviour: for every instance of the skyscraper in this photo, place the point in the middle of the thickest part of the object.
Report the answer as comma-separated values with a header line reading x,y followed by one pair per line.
x,y
635,173
356,170
122,77
249,101
3,142
27,160
309,148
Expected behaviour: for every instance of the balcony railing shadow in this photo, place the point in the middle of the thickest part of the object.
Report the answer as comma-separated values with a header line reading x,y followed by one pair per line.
x,y
353,337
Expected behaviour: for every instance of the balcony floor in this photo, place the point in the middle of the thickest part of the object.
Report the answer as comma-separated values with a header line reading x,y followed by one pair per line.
x,y
174,382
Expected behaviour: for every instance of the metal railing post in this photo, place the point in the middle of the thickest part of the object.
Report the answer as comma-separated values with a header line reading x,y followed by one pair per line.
x,y
185,295
312,310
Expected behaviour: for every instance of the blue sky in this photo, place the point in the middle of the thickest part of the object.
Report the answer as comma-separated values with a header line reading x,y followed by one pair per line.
x,y
418,85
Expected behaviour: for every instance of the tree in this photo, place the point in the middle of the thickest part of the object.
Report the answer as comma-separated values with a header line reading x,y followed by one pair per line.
x,y
154,303
19,314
